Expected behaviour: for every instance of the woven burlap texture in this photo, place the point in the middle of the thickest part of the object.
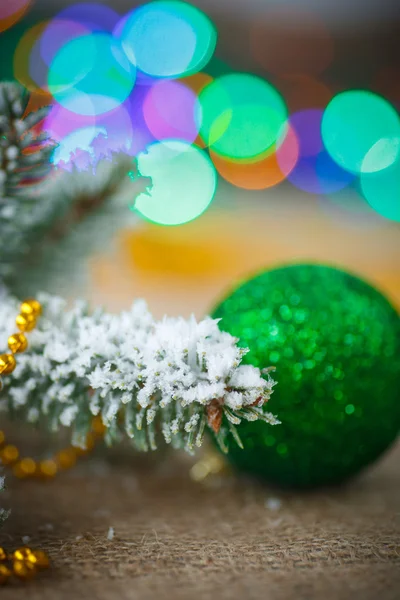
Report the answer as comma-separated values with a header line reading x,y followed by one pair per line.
x,y
225,538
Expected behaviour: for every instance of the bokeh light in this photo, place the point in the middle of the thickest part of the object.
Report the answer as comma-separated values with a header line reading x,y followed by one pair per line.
x,y
289,40
77,143
319,174
307,125
241,115
169,111
11,12
99,135
94,17
61,122
196,83
183,183
265,172
353,123
56,34
382,190
168,38
91,70
136,83
27,48
142,136
383,153
315,171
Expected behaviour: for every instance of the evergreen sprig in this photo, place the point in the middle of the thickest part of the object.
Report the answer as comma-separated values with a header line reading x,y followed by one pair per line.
x,y
25,153
174,377
147,379
48,215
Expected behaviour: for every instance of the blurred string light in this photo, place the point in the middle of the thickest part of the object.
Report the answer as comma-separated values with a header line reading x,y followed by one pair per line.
x,y
55,35
169,110
196,83
94,17
183,182
241,115
168,38
77,142
11,11
265,171
108,132
315,171
136,83
91,70
381,189
26,53
353,123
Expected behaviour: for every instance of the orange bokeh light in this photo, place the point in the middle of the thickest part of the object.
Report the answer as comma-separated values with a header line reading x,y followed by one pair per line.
x,y
11,12
266,172
197,82
22,57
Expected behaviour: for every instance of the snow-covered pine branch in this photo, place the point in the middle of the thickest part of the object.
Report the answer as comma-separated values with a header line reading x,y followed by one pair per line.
x,y
24,163
175,376
55,221
24,152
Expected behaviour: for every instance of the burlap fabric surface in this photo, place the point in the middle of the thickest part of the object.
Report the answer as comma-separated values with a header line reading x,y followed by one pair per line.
x,y
225,538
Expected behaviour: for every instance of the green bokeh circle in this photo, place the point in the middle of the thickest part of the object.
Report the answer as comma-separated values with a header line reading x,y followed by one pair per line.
x,y
183,182
382,191
335,341
241,115
353,122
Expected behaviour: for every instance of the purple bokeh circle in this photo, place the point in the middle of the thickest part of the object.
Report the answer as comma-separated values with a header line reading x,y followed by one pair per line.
x,y
169,111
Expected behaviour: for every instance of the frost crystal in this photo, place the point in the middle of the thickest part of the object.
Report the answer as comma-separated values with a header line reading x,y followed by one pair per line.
x,y
171,377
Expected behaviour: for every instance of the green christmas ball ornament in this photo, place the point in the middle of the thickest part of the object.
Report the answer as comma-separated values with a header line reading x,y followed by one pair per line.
x,y
335,342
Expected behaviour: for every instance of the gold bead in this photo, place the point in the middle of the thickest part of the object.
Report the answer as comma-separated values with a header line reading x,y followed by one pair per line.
x,y
5,574
17,343
90,442
98,426
31,307
66,459
9,454
22,553
24,569
7,364
18,472
48,468
27,466
25,322
3,554
40,559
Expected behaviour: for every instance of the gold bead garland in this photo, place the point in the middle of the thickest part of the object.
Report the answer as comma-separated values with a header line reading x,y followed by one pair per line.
x,y
24,563
27,467
30,310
